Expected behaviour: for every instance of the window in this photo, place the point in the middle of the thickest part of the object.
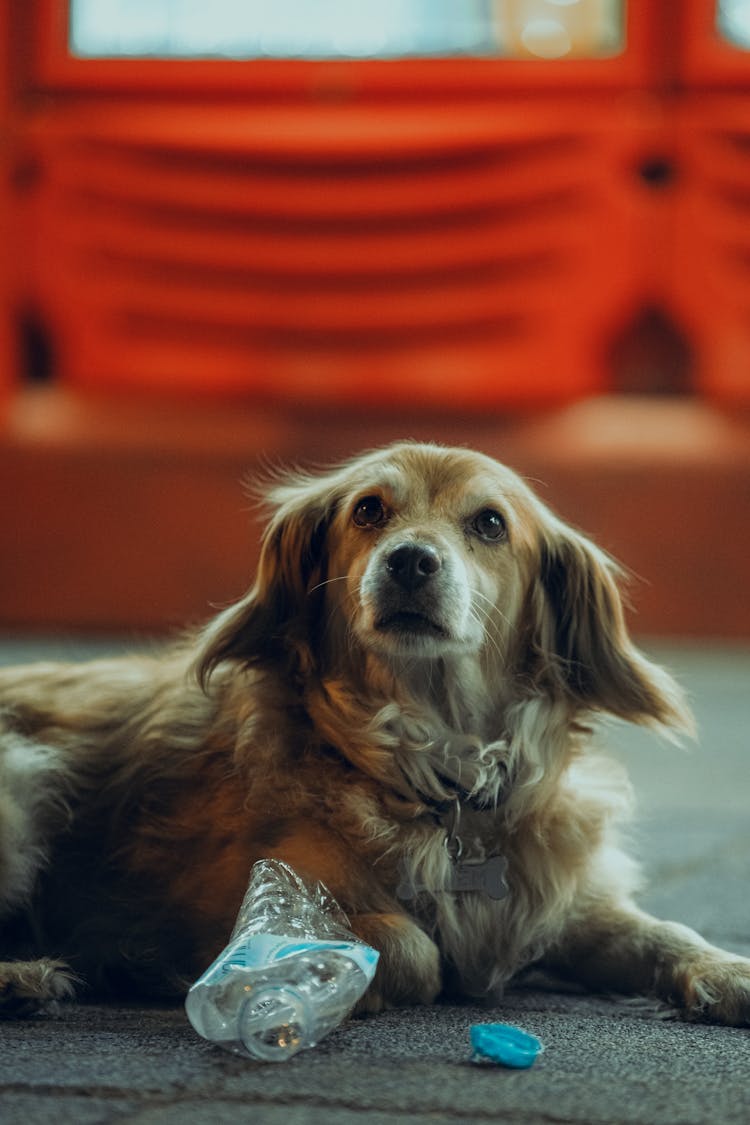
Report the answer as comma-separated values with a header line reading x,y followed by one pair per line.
x,y
252,29
733,20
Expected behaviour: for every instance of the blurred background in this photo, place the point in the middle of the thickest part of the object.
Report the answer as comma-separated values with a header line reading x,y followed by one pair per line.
x,y
242,233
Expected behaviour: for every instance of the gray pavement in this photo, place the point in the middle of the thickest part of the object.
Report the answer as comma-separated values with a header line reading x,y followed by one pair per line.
x,y
605,1060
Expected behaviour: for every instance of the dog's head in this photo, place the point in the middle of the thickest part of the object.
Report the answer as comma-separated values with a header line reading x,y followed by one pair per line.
x,y
417,554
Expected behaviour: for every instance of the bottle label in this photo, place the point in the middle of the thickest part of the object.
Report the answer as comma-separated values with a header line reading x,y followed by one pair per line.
x,y
260,950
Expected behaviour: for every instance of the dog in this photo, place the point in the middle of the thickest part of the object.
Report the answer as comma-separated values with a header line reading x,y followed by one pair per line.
x,y
402,706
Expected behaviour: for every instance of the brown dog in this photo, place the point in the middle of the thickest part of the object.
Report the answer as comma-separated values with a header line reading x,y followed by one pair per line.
x,y
400,707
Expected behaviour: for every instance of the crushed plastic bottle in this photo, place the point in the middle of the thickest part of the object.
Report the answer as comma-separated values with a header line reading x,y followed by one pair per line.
x,y
292,970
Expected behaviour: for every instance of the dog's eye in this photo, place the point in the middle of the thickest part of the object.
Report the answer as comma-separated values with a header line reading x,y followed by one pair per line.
x,y
369,512
490,525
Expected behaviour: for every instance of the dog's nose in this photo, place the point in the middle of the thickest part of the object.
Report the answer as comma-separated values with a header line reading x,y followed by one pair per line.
x,y
412,564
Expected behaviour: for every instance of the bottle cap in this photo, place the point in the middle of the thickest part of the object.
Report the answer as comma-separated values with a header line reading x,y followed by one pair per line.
x,y
502,1043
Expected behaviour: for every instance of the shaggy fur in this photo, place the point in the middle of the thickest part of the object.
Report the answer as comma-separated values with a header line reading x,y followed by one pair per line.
x,y
417,664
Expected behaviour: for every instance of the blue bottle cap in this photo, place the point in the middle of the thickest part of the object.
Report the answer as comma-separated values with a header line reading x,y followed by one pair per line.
x,y
502,1043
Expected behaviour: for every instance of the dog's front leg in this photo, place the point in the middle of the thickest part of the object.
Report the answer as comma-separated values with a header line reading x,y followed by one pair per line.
x,y
619,948
408,971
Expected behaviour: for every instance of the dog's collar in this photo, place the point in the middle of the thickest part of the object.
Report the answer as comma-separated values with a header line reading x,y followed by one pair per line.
x,y
454,844
461,797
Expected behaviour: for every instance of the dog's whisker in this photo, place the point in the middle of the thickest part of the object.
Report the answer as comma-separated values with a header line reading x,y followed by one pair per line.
x,y
489,625
494,608
493,635
327,582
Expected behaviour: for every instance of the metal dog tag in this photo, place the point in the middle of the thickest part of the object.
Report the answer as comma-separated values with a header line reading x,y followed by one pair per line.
x,y
487,876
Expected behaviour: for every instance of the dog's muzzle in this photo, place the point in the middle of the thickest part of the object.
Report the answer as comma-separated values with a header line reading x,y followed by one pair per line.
x,y
410,600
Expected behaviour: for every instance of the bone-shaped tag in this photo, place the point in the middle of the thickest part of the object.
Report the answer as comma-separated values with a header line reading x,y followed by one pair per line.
x,y
487,876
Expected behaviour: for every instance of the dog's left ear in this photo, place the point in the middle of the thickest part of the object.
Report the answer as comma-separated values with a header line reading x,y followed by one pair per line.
x,y
581,645
274,621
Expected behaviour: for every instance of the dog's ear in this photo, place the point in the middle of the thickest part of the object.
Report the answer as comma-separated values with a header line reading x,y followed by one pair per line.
x,y
579,640
274,620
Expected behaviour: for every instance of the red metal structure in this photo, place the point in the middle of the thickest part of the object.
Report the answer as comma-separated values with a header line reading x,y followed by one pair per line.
x,y
330,254
469,232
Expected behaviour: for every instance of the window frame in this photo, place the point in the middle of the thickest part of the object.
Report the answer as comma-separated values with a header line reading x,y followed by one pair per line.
x,y
420,77
706,57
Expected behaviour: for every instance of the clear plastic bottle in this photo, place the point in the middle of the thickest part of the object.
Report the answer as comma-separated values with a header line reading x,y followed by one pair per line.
x,y
292,970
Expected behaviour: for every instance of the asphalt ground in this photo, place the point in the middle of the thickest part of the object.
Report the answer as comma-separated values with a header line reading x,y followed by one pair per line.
x,y
606,1060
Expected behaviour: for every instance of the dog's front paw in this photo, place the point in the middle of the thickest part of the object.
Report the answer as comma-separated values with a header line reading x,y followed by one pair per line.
x,y
718,990
408,971
27,987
